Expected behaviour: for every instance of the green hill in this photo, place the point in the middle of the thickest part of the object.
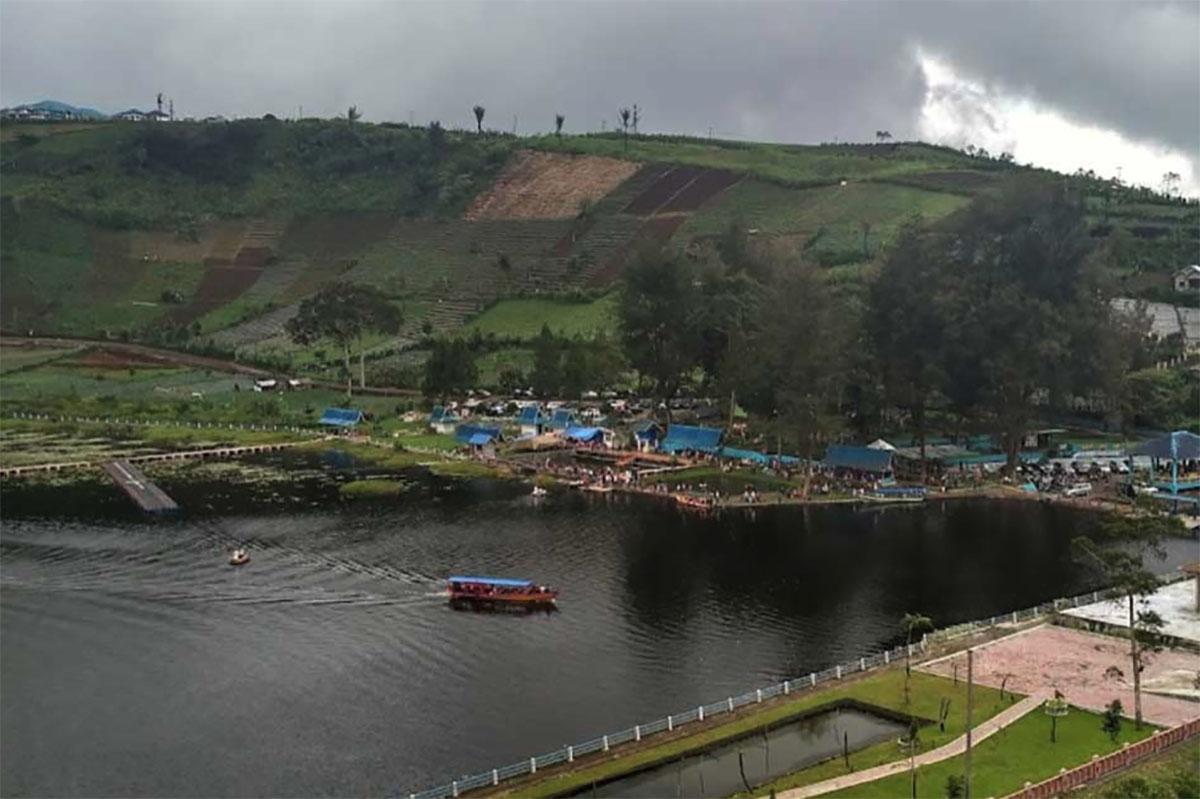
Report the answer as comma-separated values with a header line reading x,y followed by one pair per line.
x,y
209,235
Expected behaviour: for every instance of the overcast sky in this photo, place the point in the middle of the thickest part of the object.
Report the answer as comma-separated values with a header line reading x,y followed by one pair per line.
x,y
1104,85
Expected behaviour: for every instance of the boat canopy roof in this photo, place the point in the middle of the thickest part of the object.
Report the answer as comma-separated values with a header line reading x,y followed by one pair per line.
x,y
492,581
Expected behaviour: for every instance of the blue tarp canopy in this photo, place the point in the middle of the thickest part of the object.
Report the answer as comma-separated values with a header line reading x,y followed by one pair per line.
x,y
562,419
530,414
492,581
864,459
441,414
585,433
465,432
479,439
697,439
901,491
1180,445
343,417
745,455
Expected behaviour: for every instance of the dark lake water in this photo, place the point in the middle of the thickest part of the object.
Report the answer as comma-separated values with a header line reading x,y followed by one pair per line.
x,y
135,662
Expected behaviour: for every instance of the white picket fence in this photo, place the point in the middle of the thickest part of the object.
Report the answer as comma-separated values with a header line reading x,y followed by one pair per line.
x,y
120,420
568,754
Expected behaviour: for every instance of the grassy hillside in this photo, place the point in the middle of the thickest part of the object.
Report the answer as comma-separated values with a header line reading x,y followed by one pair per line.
x,y
524,318
210,235
786,163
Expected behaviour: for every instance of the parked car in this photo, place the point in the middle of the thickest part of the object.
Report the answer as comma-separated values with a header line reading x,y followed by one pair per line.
x,y
1077,490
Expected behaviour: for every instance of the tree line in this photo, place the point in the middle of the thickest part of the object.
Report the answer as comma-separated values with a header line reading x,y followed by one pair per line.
x,y
985,320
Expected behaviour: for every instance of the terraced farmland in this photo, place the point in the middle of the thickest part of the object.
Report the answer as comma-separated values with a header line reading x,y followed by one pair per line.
x,y
537,185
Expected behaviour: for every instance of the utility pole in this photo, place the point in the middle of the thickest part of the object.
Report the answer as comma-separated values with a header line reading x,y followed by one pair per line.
x,y
970,692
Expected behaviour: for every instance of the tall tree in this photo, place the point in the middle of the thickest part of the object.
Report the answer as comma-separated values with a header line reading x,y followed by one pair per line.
x,y
342,313
450,368
912,624
1020,265
547,377
1120,550
658,312
909,305
353,114
803,360
479,112
559,119
625,114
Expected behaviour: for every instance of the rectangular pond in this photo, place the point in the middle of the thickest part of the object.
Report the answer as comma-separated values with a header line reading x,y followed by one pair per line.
x,y
780,751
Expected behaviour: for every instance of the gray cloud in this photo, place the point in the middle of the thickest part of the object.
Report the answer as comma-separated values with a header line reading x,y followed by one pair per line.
x,y
777,71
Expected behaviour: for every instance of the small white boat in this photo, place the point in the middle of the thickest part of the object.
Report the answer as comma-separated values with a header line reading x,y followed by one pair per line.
x,y
240,557
538,491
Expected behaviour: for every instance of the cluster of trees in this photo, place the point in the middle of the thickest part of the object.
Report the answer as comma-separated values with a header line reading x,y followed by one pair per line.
x,y
569,367
988,319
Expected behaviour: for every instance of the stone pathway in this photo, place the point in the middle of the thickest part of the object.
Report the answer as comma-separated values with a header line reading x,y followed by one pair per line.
x,y
956,747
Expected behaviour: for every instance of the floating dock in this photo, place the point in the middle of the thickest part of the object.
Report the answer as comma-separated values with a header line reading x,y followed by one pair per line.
x,y
140,489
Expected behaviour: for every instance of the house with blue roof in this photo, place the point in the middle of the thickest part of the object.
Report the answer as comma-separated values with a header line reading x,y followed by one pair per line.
x,y
689,438
531,420
443,420
341,417
562,419
481,439
646,435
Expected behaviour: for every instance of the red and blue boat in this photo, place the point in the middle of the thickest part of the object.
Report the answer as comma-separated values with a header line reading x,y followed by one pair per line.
x,y
499,590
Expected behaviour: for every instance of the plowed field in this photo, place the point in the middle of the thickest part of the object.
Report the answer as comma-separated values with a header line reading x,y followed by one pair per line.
x,y
220,284
549,186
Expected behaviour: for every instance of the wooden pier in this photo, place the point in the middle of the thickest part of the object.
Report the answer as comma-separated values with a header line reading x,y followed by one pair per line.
x,y
140,488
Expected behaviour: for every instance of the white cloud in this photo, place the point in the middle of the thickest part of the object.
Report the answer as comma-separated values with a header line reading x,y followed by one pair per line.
x,y
958,111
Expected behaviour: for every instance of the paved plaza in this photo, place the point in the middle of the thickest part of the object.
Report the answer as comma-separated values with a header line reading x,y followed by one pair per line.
x,y
1090,669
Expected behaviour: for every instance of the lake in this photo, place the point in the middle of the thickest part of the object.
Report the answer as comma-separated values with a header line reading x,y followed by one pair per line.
x,y
136,662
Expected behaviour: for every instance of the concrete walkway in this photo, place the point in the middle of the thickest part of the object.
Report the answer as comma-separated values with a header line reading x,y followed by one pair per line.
x,y
956,747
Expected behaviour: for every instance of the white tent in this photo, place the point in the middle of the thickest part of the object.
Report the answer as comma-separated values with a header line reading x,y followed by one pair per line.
x,y
879,443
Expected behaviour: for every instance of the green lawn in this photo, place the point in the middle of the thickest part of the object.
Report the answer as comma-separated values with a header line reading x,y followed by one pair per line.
x,y
524,318
728,482
885,689
1017,754
828,220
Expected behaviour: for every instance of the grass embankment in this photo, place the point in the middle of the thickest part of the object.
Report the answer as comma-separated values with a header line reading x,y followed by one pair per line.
x,y
885,689
384,457
524,318
1020,753
727,481
1174,773
372,489
466,469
